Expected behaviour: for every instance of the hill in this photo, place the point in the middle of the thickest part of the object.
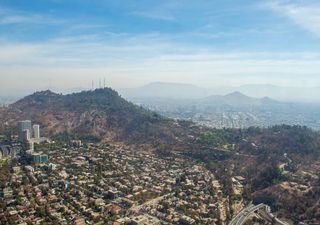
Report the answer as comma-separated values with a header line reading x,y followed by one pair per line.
x,y
101,114
278,166
236,99
235,110
165,90
291,94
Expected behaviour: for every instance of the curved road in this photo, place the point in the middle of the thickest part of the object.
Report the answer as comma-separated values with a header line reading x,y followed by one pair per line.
x,y
261,209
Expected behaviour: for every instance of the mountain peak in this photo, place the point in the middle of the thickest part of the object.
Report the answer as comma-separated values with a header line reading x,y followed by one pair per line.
x,y
166,90
237,98
236,94
44,93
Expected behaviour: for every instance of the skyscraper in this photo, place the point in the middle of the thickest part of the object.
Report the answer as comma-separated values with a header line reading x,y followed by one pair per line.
x,y
26,135
22,126
36,131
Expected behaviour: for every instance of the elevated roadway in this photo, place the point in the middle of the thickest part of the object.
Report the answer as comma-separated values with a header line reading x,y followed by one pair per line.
x,y
262,210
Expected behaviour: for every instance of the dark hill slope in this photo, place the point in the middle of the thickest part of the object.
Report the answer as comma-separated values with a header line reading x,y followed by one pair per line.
x,y
98,114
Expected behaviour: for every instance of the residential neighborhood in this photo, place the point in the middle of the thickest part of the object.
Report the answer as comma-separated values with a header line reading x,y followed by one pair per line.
x,y
111,184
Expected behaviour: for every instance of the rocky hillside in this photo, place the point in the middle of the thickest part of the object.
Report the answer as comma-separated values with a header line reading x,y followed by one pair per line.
x,y
279,165
101,114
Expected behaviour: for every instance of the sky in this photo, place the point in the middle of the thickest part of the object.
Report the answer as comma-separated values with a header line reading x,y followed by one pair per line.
x,y
67,44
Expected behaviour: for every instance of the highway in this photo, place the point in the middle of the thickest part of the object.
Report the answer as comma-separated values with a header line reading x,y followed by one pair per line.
x,y
245,214
262,210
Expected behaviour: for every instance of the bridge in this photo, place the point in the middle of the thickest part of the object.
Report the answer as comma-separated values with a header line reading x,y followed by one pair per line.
x,y
262,210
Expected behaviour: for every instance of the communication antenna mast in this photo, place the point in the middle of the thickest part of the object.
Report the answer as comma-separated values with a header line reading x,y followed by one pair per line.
x,y
50,84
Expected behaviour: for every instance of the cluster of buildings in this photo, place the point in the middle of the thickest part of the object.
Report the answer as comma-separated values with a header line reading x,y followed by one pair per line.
x,y
28,135
112,184
27,131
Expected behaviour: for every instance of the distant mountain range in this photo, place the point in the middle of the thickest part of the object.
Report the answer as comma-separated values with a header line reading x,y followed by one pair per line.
x,y
188,91
165,90
236,99
234,110
292,94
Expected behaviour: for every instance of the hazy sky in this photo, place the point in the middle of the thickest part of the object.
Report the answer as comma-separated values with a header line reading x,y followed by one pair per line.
x,y
67,44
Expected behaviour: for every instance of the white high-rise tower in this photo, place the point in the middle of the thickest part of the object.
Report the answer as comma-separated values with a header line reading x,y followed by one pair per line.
x,y
36,131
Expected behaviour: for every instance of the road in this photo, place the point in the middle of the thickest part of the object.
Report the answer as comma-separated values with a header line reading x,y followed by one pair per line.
x,y
245,214
262,210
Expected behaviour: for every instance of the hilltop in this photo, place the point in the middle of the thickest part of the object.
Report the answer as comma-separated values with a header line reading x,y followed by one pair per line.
x,y
236,99
101,114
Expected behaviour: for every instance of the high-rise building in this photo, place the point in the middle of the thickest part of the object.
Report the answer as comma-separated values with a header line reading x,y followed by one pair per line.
x,y
36,131
26,135
22,126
